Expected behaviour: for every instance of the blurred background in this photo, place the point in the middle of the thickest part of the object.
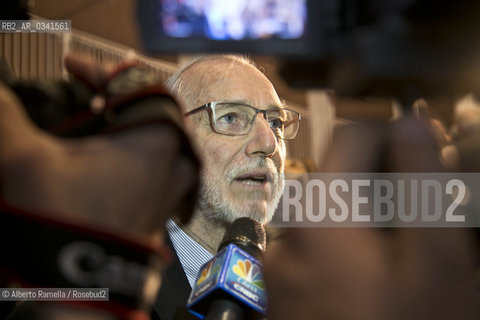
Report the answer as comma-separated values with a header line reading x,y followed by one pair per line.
x,y
357,61
108,31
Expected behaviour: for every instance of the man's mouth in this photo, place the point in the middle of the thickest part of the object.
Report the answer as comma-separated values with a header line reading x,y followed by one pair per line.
x,y
254,178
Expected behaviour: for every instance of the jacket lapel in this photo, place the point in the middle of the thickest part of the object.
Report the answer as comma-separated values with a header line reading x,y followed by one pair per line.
x,y
174,291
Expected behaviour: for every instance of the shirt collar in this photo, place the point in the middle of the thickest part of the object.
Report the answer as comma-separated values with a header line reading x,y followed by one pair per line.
x,y
191,254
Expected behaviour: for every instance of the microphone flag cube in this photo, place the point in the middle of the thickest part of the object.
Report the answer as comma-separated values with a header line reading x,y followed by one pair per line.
x,y
232,274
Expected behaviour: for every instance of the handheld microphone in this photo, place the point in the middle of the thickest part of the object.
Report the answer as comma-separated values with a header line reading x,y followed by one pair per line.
x,y
230,286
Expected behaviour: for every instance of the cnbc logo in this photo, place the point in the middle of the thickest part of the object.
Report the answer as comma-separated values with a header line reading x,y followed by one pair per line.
x,y
205,274
249,272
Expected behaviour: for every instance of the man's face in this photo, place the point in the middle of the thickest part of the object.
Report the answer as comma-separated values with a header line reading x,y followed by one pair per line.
x,y
242,175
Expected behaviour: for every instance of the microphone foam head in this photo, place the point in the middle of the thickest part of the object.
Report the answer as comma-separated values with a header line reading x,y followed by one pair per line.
x,y
247,233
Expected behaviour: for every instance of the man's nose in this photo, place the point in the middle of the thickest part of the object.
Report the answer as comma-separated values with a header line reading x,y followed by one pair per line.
x,y
261,139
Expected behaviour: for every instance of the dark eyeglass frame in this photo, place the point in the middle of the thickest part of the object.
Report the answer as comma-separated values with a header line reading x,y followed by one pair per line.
x,y
210,107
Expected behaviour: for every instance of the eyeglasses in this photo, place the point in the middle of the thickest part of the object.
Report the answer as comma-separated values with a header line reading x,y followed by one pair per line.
x,y
234,118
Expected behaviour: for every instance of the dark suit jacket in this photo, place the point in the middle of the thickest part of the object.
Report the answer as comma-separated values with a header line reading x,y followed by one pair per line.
x,y
174,291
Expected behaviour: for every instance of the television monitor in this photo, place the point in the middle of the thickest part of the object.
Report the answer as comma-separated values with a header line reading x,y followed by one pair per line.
x,y
283,27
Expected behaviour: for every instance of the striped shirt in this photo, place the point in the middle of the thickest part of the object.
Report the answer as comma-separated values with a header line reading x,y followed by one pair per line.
x,y
191,254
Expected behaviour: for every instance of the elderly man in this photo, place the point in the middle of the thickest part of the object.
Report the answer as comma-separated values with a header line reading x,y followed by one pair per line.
x,y
237,122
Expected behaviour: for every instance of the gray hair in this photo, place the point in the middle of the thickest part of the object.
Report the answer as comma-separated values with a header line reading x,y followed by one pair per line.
x,y
176,82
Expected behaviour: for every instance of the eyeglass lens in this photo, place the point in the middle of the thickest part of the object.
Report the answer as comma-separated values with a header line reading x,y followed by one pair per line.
x,y
236,118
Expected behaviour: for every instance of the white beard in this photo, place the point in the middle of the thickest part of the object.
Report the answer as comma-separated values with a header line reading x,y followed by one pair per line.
x,y
216,206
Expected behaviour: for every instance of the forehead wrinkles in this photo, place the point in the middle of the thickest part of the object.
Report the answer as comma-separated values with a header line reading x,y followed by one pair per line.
x,y
223,80
202,78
